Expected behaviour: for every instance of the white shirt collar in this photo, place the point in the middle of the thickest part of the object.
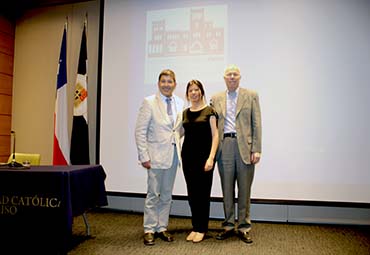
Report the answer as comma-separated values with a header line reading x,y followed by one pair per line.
x,y
163,98
236,92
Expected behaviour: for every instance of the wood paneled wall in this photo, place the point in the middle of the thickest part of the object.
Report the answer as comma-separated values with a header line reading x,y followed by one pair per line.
x,y
7,31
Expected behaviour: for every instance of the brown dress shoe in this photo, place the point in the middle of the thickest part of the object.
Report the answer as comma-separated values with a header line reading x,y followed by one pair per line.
x,y
245,237
165,236
225,234
149,239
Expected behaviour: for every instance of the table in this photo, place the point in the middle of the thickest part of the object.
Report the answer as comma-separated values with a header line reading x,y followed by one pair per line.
x,y
37,205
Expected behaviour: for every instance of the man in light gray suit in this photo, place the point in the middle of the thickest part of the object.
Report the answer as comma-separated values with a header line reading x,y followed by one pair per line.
x,y
239,127
157,137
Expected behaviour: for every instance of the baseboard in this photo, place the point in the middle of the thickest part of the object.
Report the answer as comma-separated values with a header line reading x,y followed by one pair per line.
x,y
262,210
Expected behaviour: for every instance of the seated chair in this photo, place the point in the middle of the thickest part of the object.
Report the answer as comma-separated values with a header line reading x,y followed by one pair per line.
x,y
33,158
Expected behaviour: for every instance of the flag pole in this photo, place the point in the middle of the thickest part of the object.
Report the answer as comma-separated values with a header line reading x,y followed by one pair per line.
x,y
66,23
85,21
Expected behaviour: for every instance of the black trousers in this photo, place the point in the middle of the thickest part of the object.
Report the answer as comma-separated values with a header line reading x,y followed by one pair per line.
x,y
199,184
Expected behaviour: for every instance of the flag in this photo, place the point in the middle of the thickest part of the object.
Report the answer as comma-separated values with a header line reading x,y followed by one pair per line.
x,y
61,139
80,129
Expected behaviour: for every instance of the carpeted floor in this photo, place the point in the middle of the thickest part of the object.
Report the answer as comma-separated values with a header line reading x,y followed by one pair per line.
x,y
116,233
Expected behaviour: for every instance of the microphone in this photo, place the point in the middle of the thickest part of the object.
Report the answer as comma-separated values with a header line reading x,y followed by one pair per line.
x,y
14,163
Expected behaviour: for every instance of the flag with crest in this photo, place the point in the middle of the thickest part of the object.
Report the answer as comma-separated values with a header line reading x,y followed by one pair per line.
x,y
80,130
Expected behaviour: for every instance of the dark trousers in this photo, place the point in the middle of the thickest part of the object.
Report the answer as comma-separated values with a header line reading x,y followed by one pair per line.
x,y
199,184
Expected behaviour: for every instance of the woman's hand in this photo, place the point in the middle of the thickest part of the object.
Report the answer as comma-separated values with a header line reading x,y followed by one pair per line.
x,y
209,165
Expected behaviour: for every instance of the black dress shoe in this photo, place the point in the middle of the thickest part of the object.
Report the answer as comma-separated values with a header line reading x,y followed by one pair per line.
x,y
148,238
225,234
245,237
165,236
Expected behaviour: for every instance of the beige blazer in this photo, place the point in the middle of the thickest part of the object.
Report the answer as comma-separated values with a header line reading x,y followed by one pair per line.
x,y
247,122
155,134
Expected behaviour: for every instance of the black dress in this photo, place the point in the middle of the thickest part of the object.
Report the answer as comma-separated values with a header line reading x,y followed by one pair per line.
x,y
195,152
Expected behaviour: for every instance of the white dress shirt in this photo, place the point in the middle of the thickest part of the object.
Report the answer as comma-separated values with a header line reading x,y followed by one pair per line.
x,y
231,100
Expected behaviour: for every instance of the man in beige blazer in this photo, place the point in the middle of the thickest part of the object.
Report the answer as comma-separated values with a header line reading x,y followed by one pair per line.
x,y
157,137
239,127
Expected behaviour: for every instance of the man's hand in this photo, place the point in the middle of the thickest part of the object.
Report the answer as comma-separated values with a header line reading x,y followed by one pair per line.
x,y
255,157
146,164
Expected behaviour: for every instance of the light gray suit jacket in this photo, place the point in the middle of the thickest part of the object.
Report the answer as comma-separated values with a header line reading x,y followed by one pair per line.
x,y
155,133
247,121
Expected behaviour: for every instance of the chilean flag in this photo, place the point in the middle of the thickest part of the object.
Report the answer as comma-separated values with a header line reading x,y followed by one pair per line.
x,y
61,139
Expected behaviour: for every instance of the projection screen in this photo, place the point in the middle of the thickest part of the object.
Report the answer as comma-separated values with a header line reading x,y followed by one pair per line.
x,y
309,60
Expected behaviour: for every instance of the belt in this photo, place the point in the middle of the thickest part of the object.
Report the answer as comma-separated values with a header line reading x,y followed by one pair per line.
x,y
232,135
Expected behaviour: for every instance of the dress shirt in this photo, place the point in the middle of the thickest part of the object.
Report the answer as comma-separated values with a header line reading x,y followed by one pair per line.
x,y
231,100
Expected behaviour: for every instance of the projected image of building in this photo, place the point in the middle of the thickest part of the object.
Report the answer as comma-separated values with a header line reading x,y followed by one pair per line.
x,y
202,38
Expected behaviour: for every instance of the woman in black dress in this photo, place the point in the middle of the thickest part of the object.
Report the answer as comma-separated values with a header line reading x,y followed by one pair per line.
x,y
198,152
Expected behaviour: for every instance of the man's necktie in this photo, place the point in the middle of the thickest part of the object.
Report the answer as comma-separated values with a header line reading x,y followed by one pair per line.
x,y
169,108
